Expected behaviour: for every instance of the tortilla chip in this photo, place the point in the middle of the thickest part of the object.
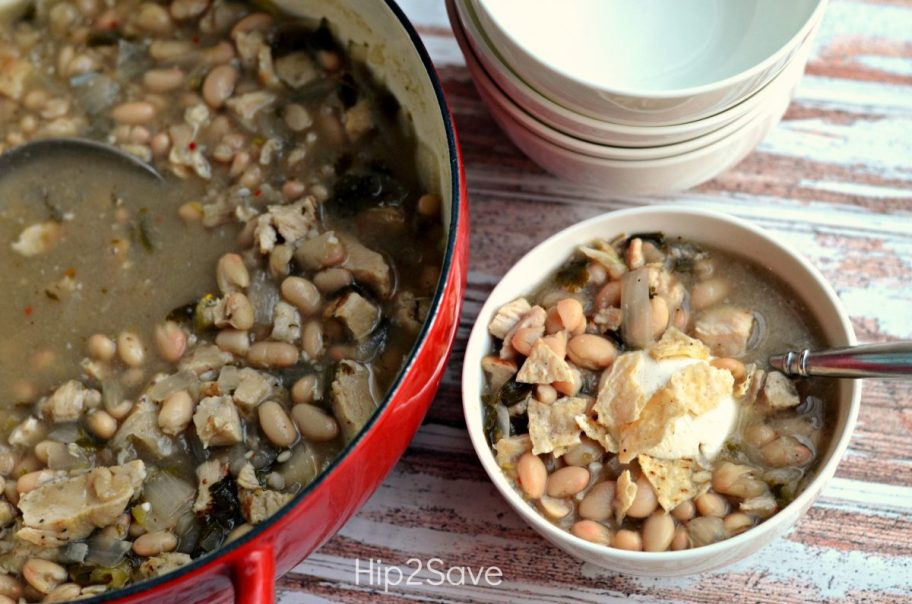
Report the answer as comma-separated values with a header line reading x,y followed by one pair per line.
x,y
621,399
553,427
780,392
624,495
700,387
597,432
672,480
544,366
511,448
649,430
675,343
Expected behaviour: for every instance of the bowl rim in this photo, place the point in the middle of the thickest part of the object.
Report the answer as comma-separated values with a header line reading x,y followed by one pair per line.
x,y
688,91
472,403
463,18
779,86
669,161
449,261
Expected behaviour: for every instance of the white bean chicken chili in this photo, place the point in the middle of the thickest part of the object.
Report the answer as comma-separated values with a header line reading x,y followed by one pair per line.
x,y
180,359
629,398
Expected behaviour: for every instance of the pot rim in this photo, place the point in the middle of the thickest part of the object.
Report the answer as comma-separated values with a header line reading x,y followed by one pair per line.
x,y
264,527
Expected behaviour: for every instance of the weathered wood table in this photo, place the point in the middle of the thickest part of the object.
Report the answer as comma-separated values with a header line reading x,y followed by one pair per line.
x,y
834,179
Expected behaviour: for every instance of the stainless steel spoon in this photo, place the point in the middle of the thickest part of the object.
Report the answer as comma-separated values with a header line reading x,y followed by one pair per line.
x,y
101,156
890,359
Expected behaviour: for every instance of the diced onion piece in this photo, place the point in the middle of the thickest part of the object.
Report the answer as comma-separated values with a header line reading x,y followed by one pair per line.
x,y
636,328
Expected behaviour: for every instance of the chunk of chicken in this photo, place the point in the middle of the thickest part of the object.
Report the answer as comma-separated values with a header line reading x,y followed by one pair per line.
x,y
367,266
217,422
358,315
499,370
511,448
291,223
67,402
725,330
246,106
296,69
37,239
141,427
507,316
286,323
204,359
779,392
409,311
353,401
260,504
253,388
162,564
208,473
72,508
534,318
247,477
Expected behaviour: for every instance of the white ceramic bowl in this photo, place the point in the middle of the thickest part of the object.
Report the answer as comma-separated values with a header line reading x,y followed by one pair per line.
x,y
710,228
647,63
621,177
769,97
474,42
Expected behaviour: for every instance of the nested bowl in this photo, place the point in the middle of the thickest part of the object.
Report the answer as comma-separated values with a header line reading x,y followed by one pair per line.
x,y
647,64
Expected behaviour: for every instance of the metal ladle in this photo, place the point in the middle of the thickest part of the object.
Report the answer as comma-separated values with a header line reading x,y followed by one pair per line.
x,y
890,359
101,155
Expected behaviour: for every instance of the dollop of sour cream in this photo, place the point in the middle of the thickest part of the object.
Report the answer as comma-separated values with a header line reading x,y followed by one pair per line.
x,y
690,436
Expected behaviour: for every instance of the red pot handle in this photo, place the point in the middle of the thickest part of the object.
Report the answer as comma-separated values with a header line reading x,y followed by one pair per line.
x,y
254,577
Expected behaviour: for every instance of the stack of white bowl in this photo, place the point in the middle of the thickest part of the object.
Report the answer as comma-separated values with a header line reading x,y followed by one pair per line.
x,y
636,96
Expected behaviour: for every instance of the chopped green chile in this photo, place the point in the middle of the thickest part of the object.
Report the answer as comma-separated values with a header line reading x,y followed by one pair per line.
x,y
145,322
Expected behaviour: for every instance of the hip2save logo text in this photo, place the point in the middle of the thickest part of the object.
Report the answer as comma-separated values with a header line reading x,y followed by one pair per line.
x,y
417,572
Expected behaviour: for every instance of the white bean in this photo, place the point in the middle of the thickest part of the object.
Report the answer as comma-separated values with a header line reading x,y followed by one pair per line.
x,y
276,424
219,85
314,424
131,349
532,475
154,543
272,354
43,575
175,413
136,112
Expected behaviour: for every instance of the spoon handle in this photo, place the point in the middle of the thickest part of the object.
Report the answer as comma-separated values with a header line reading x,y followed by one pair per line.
x,y
890,359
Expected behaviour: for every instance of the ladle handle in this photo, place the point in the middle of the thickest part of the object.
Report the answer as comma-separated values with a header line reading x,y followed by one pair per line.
x,y
890,359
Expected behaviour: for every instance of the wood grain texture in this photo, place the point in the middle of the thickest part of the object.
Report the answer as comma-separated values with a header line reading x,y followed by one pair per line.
x,y
833,179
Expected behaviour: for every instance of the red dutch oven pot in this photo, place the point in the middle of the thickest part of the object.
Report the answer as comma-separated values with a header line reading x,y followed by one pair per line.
x,y
249,566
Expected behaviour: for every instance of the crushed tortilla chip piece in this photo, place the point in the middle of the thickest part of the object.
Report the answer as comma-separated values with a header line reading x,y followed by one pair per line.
x,y
544,366
621,399
649,430
511,448
700,387
624,495
597,432
779,391
675,343
553,427
672,479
